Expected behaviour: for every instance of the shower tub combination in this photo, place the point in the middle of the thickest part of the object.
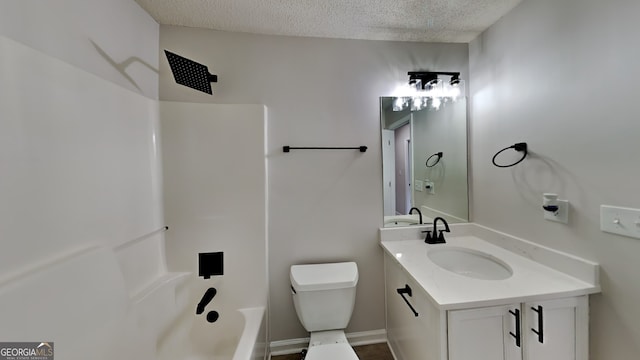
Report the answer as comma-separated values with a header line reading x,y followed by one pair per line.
x,y
237,334
59,299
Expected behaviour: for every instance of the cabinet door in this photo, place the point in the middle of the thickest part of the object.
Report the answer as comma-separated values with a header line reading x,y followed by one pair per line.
x,y
411,336
485,333
556,329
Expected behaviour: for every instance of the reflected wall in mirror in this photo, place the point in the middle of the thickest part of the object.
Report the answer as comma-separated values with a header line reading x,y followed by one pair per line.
x,y
424,161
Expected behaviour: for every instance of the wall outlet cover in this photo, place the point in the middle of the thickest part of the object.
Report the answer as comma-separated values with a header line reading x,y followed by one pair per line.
x,y
430,186
562,215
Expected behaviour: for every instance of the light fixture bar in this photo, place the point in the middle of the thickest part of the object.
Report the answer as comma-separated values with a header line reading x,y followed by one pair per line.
x,y
426,76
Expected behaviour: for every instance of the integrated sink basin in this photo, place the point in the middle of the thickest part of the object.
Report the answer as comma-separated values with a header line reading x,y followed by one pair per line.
x,y
401,220
406,220
471,263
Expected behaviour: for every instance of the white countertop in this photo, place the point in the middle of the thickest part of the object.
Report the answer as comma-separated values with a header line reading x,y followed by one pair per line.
x,y
530,281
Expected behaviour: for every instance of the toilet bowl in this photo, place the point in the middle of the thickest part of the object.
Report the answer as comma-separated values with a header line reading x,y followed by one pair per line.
x,y
324,296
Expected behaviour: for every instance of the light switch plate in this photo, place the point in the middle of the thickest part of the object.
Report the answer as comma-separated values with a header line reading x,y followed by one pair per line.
x,y
620,220
419,185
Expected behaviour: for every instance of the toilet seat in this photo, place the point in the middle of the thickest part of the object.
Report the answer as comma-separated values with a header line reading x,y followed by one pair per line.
x,y
330,345
339,351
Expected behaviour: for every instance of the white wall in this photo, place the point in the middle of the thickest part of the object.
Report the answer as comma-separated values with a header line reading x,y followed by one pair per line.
x,y
115,40
323,205
562,76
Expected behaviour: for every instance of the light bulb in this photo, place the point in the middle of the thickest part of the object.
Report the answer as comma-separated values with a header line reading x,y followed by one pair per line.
x,y
436,102
416,103
398,104
457,90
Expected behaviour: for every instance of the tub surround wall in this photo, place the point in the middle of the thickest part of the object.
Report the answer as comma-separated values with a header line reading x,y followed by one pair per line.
x,y
324,205
94,293
556,75
215,181
80,191
215,176
79,166
115,40
80,170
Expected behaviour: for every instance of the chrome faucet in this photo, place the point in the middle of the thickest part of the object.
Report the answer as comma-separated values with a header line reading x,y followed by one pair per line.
x,y
419,213
436,239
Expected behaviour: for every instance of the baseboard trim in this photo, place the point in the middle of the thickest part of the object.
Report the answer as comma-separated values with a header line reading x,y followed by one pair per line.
x,y
367,337
292,346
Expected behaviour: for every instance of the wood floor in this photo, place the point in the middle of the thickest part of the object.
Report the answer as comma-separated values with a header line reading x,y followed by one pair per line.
x,y
365,352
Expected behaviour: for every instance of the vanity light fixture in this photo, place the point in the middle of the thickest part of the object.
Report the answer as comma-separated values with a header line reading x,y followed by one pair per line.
x,y
426,88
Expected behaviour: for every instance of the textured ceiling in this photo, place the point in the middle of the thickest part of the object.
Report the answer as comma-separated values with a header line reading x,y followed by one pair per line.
x,y
410,20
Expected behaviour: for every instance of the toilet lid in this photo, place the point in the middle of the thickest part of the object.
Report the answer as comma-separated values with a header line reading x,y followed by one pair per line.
x,y
339,351
331,276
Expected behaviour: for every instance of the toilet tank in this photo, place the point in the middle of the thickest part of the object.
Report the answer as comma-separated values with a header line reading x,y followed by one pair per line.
x,y
324,294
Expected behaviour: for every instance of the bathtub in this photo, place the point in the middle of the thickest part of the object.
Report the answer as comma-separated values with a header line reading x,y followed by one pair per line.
x,y
238,334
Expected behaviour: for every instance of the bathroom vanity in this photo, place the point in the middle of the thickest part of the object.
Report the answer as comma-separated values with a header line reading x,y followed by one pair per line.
x,y
484,296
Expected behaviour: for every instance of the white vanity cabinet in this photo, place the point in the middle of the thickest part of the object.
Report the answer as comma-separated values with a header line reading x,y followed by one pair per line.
x,y
545,330
503,332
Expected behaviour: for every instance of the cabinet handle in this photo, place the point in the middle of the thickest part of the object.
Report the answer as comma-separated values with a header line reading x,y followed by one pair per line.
x,y
407,290
540,330
516,313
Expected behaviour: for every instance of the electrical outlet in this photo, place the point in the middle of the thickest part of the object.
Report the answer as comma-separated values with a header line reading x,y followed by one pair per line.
x,y
430,187
620,220
561,215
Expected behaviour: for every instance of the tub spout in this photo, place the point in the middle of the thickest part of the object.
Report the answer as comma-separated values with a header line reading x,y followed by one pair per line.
x,y
206,299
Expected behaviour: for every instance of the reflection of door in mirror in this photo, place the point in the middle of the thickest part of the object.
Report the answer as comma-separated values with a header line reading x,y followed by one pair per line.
x,y
407,202
398,163
397,179
389,171
437,190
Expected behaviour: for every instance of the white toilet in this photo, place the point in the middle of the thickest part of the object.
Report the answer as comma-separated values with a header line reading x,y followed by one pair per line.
x,y
324,295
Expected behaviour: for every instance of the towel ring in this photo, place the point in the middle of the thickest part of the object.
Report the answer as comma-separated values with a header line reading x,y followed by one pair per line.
x,y
517,147
438,154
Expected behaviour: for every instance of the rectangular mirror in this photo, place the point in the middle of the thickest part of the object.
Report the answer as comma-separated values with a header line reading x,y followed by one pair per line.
x,y
424,160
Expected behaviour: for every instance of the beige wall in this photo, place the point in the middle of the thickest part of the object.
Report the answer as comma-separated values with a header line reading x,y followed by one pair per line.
x,y
323,206
562,76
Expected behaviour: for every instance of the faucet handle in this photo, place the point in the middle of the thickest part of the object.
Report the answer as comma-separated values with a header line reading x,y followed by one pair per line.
x,y
428,237
441,236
